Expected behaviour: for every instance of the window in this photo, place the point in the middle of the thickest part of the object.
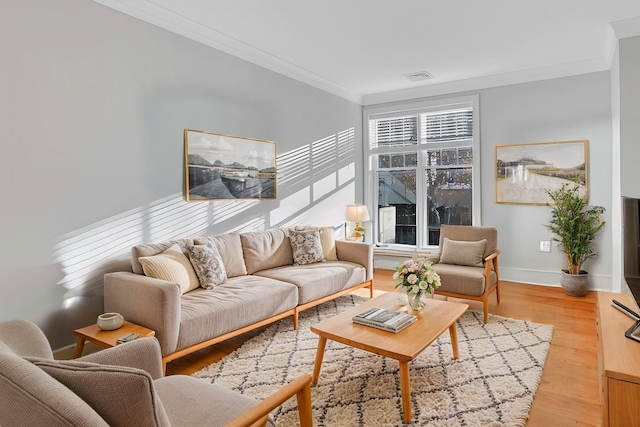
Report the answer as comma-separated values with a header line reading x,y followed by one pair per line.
x,y
423,165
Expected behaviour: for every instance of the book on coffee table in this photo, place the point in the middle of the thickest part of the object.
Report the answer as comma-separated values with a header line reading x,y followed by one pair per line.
x,y
392,321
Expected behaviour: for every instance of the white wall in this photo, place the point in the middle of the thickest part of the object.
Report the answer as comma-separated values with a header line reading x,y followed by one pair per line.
x,y
92,113
629,69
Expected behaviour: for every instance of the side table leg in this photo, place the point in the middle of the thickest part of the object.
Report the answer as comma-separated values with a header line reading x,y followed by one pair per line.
x,y
453,333
322,342
79,348
405,391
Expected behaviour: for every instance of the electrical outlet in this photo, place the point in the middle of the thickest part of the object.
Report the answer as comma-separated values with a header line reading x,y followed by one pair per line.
x,y
545,246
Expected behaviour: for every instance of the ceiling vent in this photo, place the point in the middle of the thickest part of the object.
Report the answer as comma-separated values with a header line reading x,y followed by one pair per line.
x,y
420,75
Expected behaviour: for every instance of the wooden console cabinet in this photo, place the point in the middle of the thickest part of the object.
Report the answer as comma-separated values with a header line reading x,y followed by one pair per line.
x,y
618,363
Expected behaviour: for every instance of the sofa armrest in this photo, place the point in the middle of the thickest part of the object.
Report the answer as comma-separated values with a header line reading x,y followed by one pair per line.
x,y
358,252
148,302
143,353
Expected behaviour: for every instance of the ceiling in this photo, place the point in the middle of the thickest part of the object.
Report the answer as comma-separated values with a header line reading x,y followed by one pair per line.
x,y
361,49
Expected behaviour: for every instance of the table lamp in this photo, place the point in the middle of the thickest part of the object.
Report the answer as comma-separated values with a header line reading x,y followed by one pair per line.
x,y
357,214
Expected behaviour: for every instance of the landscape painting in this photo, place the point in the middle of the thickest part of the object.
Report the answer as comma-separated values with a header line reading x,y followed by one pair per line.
x,y
228,167
524,172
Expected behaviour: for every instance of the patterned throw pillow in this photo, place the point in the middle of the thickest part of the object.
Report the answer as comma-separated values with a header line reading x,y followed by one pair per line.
x,y
306,247
207,263
327,240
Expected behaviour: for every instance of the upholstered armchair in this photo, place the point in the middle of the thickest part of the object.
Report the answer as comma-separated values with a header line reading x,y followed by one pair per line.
x,y
120,386
468,263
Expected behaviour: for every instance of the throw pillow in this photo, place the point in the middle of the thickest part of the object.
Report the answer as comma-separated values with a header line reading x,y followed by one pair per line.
x,y
327,240
306,247
173,266
208,265
463,253
122,396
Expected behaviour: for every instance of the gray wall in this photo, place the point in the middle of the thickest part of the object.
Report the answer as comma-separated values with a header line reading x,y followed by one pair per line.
x,y
92,113
629,69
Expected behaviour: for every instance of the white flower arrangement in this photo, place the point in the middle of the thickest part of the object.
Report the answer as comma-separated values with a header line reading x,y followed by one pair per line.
x,y
416,277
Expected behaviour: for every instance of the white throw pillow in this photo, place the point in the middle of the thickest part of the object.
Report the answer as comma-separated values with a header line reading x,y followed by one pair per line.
x,y
463,253
173,266
306,247
208,265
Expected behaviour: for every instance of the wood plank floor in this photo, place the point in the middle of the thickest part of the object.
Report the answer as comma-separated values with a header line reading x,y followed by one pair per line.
x,y
568,392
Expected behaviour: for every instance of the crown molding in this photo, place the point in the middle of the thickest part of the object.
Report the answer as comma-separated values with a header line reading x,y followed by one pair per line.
x,y
171,21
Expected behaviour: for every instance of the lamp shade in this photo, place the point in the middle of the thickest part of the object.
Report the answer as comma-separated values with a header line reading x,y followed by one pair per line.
x,y
357,213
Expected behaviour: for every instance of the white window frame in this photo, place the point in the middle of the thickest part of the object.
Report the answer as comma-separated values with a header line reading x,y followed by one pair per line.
x,y
370,170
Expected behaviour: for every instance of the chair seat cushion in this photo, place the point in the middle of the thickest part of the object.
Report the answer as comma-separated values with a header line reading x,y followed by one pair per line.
x,y
315,281
462,279
194,402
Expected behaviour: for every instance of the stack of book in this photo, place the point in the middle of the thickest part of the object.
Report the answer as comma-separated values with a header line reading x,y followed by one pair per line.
x,y
392,321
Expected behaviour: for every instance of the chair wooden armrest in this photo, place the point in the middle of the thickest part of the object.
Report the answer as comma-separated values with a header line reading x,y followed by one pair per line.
x,y
492,256
301,387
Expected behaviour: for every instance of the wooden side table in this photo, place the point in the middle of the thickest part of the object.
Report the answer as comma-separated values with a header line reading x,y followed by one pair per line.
x,y
107,339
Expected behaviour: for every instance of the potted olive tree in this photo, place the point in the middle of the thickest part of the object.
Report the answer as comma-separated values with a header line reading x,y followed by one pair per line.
x,y
574,225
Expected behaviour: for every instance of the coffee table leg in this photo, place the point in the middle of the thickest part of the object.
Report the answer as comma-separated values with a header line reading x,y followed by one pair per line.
x,y
405,391
79,348
454,339
322,342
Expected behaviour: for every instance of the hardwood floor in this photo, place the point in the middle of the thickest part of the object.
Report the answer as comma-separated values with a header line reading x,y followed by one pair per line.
x,y
568,392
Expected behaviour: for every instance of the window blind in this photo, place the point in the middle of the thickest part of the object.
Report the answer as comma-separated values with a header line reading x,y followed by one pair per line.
x,y
393,132
446,125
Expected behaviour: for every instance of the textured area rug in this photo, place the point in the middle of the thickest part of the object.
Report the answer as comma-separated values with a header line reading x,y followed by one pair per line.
x,y
491,384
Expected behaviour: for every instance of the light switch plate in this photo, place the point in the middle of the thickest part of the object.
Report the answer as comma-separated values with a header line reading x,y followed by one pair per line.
x,y
545,246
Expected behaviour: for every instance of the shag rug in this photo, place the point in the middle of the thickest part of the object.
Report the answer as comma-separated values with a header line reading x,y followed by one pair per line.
x,y
491,384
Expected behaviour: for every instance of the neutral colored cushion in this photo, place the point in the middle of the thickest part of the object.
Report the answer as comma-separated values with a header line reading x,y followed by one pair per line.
x,y
208,265
463,253
462,279
30,397
149,249
306,247
327,240
173,266
318,280
122,396
471,233
266,249
238,302
230,249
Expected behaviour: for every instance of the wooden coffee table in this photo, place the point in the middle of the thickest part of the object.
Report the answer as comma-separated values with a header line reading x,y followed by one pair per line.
x,y
404,346
107,339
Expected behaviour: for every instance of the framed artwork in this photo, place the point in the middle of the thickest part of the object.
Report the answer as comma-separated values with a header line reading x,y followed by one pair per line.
x,y
221,166
525,171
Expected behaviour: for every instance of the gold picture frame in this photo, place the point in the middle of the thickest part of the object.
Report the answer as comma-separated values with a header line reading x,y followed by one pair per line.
x,y
524,172
220,166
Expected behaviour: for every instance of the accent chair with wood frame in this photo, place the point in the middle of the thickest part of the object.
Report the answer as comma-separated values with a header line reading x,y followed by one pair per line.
x,y
468,263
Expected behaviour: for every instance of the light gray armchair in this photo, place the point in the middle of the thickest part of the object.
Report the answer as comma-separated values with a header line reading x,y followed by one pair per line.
x,y
468,263
120,386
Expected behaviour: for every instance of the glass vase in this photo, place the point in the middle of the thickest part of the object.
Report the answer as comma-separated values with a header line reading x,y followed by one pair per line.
x,y
416,301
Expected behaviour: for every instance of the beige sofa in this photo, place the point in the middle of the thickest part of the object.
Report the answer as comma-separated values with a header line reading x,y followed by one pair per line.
x,y
262,286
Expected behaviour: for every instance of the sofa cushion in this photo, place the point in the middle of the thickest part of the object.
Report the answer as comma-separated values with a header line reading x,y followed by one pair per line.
x,y
238,302
327,240
230,248
122,396
462,279
150,249
173,266
306,247
208,265
183,399
30,397
266,249
318,280
463,252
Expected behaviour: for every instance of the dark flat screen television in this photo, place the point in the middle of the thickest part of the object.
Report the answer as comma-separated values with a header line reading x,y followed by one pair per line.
x,y
631,246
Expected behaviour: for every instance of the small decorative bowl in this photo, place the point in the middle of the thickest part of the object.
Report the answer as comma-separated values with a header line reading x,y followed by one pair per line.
x,y
110,321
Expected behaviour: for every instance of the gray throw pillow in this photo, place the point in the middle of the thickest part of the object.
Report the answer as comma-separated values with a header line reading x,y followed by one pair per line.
x,y
460,252
122,396
306,247
207,263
